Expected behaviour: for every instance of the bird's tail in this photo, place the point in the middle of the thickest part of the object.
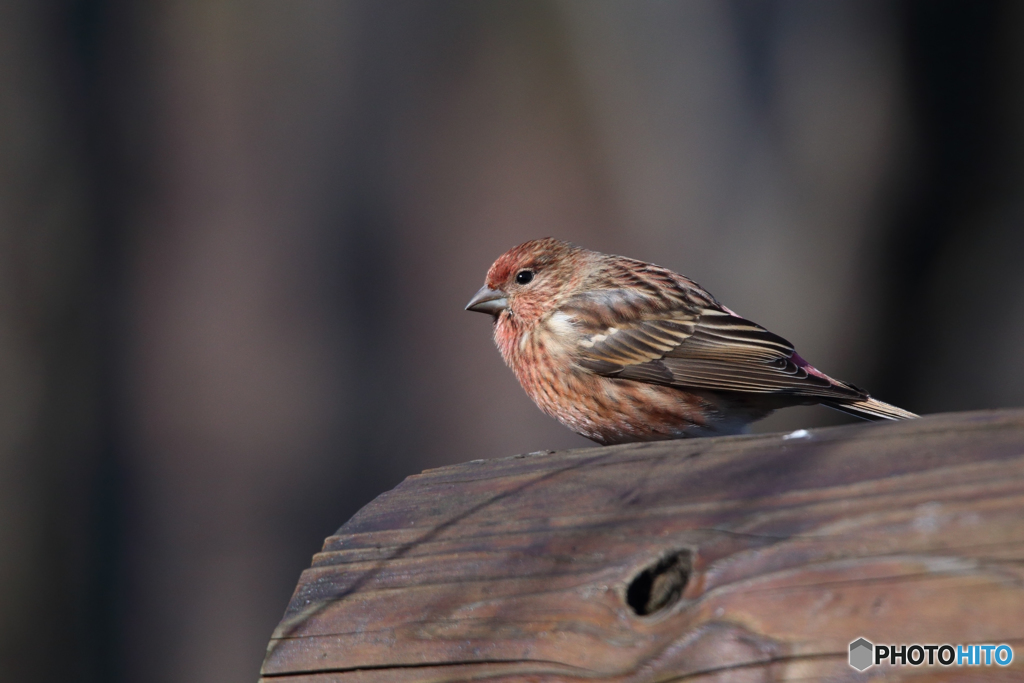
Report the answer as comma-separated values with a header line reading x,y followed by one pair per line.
x,y
871,409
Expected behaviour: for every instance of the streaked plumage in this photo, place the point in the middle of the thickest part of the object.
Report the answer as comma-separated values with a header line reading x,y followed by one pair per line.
x,y
620,350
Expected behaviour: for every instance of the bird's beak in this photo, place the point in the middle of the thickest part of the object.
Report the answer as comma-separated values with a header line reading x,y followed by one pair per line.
x,y
492,301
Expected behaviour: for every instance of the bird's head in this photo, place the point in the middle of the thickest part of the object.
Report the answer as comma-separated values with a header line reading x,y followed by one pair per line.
x,y
528,281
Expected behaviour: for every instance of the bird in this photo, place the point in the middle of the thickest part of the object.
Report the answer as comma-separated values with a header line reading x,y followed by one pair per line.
x,y
621,351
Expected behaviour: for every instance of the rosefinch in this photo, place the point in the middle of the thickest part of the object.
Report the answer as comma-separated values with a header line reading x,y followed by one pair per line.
x,y
619,350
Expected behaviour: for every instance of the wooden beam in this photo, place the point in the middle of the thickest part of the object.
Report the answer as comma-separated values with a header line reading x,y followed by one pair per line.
x,y
739,558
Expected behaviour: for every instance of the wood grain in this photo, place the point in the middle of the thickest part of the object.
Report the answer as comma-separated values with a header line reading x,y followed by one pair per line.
x,y
790,547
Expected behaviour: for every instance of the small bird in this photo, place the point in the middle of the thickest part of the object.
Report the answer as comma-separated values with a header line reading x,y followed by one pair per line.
x,y
619,350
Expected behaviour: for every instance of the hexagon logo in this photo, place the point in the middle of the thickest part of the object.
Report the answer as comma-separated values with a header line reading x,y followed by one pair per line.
x,y
861,654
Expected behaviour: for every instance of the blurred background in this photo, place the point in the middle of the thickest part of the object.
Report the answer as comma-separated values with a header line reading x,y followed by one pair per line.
x,y
236,239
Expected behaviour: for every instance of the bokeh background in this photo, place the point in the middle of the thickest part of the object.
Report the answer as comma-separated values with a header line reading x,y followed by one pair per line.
x,y
236,239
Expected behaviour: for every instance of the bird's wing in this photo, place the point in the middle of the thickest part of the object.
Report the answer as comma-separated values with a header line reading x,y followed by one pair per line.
x,y
690,342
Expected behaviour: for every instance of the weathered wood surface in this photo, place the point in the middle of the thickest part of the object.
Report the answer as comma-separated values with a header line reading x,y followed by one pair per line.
x,y
519,569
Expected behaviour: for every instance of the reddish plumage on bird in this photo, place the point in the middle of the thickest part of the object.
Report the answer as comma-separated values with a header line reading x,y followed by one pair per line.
x,y
619,350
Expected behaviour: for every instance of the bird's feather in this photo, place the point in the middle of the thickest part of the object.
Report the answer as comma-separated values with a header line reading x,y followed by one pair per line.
x,y
871,409
689,341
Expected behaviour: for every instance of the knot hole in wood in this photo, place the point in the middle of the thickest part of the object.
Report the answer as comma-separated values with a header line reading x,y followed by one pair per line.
x,y
659,585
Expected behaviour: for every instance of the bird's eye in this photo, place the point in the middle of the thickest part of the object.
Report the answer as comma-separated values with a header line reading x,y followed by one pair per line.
x,y
524,277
